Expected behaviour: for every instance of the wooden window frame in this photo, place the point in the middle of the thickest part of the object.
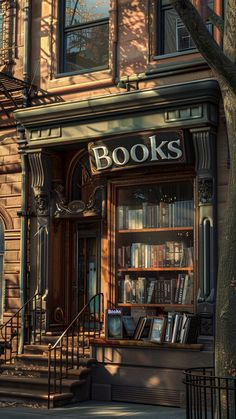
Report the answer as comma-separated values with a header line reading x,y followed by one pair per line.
x,y
64,30
157,41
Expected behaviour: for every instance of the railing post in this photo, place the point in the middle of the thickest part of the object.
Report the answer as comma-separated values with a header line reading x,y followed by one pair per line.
x,y
49,374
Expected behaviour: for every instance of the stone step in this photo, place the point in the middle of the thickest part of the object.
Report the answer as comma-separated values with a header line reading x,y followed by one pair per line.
x,y
36,383
28,390
43,349
42,360
31,397
36,371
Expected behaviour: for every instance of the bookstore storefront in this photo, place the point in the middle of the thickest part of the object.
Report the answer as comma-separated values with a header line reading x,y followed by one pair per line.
x,y
124,195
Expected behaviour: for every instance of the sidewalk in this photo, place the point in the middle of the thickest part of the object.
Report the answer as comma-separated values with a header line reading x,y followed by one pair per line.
x,y
98,410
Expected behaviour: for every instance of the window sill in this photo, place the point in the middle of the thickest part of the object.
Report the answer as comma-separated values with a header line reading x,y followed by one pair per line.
x,y
162,66
75,81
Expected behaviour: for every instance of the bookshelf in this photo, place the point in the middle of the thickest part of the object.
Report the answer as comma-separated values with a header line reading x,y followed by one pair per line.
x,y
154,245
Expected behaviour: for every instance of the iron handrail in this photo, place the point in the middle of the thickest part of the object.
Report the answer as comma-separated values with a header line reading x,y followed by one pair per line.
x,y
12,328
65,354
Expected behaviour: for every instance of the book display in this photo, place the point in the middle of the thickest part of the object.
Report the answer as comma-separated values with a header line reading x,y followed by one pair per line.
x,y
154,244
173,327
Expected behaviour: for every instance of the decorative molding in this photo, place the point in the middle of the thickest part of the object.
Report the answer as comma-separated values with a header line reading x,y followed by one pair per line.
x,y
76,207
40,169
45,133
205,190
42,204
93,204
6,218
63,208
58,315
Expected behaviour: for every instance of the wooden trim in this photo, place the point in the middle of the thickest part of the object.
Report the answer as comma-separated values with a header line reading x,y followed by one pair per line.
x,y
148,345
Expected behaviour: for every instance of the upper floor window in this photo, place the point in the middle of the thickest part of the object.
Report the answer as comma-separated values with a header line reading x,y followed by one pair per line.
x,y
172,34
85,35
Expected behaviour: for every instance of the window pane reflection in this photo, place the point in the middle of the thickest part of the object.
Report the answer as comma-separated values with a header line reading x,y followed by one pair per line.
x,y
78,12
87,48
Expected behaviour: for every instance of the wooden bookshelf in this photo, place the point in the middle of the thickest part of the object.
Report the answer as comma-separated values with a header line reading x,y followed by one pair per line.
x,y
153,254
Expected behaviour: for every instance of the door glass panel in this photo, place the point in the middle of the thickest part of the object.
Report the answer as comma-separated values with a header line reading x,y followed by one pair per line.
x,y
87,269
91,268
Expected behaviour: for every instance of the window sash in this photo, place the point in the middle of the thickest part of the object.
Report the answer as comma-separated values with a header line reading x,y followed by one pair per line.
x,y
169,41
93,55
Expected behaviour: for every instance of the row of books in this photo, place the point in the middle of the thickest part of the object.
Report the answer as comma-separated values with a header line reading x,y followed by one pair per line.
x,y
142,255
161,290
164,214
181,328
173,328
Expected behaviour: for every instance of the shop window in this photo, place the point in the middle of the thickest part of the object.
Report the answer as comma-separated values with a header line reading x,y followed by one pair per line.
x,y
155,246
85,35
2,282
173,37
7,30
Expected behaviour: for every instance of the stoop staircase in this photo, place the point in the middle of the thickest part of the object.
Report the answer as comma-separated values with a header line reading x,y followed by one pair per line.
x,y
48,370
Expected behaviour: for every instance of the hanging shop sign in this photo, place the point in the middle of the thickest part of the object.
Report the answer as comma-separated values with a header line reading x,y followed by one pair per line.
x,y
137,150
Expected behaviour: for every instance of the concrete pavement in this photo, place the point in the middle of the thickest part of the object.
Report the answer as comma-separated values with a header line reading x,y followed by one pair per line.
x,y
98,410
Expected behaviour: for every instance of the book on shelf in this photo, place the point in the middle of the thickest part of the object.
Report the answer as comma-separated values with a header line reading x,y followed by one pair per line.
x,y
181,328
169,326
154,215
175,327
190,329
157,330
143,255
145,329
128,292
151,290
156,290
114,324
141,290
138,327
129,326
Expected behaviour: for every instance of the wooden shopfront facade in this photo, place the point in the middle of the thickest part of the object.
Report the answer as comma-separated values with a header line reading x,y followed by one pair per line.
x,y
122,200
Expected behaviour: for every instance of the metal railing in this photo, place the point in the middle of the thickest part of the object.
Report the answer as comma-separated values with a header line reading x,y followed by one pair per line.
x,y
24,327
71,346
209,396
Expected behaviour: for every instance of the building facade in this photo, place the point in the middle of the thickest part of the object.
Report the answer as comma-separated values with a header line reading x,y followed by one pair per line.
x,y
119,184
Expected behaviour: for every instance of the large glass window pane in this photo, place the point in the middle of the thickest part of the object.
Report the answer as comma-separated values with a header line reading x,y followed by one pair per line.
x,y
174,35
86,48
154,244
81,11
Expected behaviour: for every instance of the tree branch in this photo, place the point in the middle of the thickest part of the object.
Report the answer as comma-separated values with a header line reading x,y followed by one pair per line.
x,y
217,60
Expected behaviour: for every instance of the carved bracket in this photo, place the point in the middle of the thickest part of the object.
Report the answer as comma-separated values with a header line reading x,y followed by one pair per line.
x,y
42,204
76,207
205,190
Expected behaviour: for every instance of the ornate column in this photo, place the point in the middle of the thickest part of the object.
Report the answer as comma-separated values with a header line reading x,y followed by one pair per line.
x,y
204,140
41,182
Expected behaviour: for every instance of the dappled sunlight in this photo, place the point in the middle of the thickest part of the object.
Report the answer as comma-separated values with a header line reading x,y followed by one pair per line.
x,y
153,381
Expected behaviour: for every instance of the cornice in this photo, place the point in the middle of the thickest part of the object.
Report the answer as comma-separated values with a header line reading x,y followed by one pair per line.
x,y
121,103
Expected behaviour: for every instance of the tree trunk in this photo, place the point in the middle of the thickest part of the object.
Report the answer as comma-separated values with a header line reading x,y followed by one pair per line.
x,y
225,341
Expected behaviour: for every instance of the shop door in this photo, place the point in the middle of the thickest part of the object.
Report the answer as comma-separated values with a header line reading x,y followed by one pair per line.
x,y
88,265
